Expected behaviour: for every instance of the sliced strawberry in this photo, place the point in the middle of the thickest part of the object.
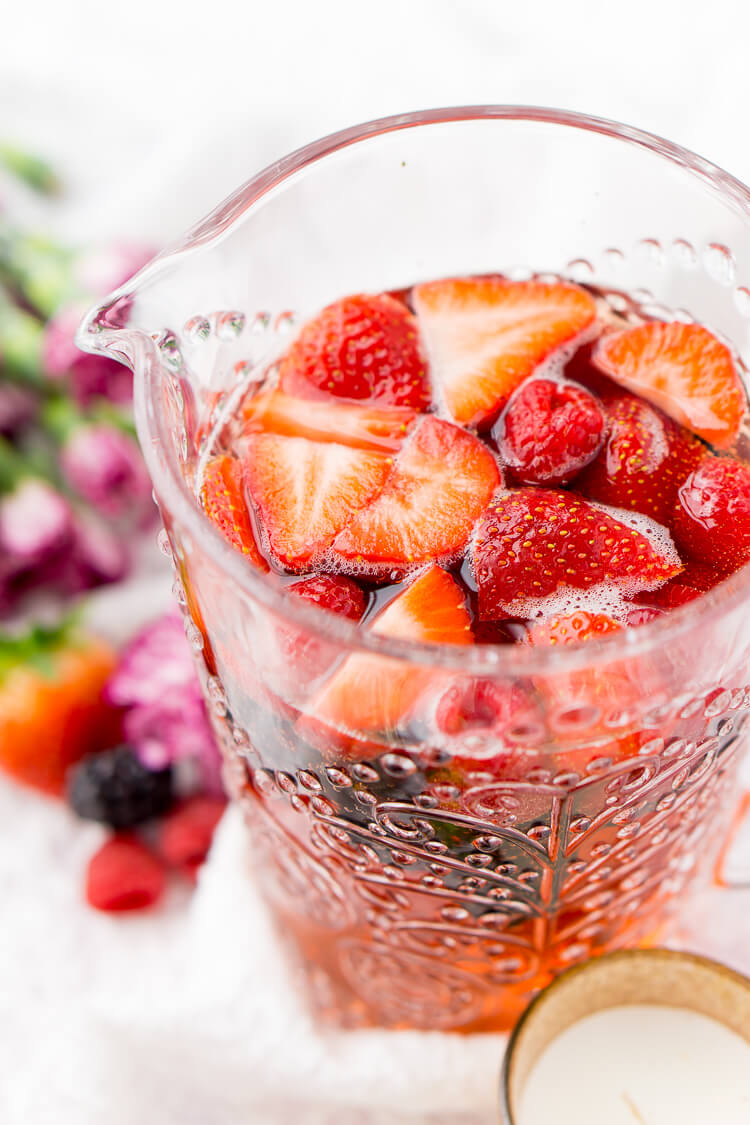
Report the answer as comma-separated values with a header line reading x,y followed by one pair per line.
x,y
684,370
307,491
549,431
644,461
362,427
712,513
442,480
573,628
224,504
532,542
360,347
376,693
485,335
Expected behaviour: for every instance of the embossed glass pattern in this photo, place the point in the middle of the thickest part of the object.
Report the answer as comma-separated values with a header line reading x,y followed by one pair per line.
x,y
423,879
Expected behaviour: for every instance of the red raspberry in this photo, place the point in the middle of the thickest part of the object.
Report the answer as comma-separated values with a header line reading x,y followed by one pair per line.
x,y
550,431
185,835
333,592
124,875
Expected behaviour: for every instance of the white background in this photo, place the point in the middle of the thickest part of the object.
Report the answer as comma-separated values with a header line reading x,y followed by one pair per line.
x,y
154,111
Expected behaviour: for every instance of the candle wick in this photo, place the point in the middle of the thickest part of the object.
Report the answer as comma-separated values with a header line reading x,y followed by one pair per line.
x,y
637,1115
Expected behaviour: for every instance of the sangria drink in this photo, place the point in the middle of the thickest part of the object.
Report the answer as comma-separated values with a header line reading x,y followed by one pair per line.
x,y
462,558
478,461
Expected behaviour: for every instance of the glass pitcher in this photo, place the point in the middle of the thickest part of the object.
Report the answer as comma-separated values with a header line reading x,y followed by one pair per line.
x,y
427,879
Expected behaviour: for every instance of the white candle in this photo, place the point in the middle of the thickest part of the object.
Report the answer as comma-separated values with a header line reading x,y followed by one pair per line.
x,y
640,1065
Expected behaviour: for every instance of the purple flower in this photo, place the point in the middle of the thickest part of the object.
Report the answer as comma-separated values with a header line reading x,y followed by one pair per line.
x,y
89,376
166,718
36,524
104,466
17,408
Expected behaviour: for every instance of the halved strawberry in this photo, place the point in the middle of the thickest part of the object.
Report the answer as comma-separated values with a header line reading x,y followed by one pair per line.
x,y
485,335
360,347
684,370
362,427
224,503
442,480
376,693
572,628
550,430
712,513
532,542
307,491
644,461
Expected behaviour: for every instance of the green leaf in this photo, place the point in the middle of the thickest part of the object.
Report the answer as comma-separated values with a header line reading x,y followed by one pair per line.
x,y
30,168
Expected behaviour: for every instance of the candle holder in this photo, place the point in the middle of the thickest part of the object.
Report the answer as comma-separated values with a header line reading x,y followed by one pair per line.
x,y
657,977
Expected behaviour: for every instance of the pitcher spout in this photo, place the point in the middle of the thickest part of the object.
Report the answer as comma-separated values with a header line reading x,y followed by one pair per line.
x,y
106,330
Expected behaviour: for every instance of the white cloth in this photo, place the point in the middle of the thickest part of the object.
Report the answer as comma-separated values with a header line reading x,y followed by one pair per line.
x,y
154,111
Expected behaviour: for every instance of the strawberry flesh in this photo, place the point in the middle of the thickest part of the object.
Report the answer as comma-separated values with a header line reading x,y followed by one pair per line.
x,y
377,693
361,347
549,431
712,514
224,504
307,491
484,336
441,481
684,370
348,423
531,542
646,458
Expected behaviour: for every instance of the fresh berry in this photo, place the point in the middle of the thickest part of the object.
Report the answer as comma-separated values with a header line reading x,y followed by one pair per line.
x,y
224,504
573,628
115,788
52,706
712,514
484,336
533,542
124,875
308,491
644,461
361,347
441,481
695,579
185,835
376,693
472,704
549,431
684,370
333,592
303,651
348,423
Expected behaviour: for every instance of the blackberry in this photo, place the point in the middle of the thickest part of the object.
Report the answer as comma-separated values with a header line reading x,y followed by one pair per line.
x,y
114,787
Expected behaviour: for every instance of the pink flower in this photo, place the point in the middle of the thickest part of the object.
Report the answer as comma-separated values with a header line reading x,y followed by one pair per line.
x,y
104,466
36,523
166,718
104,268
89,376
98,556
17,408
